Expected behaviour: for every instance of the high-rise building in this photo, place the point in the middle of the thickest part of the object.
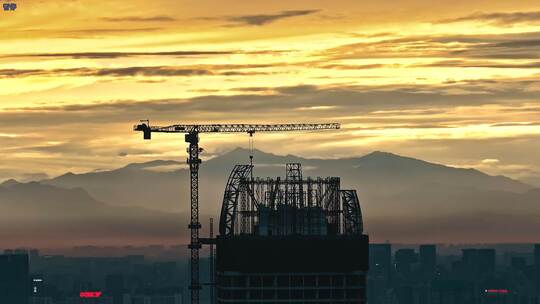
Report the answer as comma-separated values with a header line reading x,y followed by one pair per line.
x,y
537,268
428,258
114,285
380,272
20,251
404,259
296,240
34,254
14,279
380,259
477,262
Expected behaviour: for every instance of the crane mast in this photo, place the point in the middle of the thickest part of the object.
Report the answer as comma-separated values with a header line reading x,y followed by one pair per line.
x,y
191,132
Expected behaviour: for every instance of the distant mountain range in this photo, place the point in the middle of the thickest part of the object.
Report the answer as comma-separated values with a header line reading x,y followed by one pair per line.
x,y
40,215
403,200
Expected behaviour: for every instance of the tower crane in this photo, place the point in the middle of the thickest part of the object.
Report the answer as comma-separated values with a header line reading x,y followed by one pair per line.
x,y
191,132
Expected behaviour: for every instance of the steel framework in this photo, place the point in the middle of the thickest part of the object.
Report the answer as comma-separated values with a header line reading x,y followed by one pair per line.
x,y
234,128
352,214
230,198
191,132
294,210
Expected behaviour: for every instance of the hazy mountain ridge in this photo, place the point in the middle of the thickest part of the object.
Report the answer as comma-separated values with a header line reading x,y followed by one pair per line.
x,y
376,165
135,185
403,199
131,185
34,213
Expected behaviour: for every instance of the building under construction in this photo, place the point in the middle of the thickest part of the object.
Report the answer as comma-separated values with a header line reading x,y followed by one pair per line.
x,y
294,240
290,240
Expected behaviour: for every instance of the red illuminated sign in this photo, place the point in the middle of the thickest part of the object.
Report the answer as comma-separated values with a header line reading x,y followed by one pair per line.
x,y
90,294
503,291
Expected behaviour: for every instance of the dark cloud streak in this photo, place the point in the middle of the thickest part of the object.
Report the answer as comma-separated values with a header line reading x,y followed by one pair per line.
x,y
498,18
264,19
112,55
494,46
480,64
139,19
115,55
150,71
343,101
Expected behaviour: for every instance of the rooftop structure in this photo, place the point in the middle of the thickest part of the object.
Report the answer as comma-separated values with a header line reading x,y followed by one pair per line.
x,y
290,240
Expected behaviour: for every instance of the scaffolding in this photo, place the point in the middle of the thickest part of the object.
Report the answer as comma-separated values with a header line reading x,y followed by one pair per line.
x,y
291,206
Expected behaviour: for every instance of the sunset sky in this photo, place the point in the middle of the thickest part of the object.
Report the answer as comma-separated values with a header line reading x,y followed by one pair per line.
x,y
454,82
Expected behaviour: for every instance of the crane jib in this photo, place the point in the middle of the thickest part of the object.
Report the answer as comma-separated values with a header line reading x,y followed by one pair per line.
x,y
235,128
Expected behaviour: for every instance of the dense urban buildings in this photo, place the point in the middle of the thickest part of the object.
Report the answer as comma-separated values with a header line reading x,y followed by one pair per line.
x,y
14,278
59,279
428,259
162,279
422,275
537,268
297,240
